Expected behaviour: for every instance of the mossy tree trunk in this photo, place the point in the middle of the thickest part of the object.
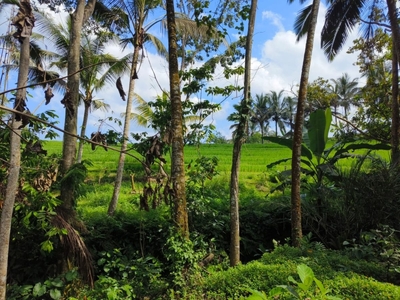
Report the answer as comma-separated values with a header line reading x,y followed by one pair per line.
x,y
178,166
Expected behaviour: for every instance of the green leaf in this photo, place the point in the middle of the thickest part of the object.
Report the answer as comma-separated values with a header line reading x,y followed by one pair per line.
x,y
256,295
57,282
321,287
305,272
39,290
55,294
289,143
320,121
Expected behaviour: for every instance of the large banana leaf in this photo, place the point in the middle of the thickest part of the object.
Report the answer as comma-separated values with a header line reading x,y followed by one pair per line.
x,y
320,122
289,143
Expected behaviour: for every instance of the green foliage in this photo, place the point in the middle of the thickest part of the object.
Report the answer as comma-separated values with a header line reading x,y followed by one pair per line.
x,y
330,269
53,288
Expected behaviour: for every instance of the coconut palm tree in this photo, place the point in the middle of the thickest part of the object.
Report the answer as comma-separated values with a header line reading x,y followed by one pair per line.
x,y
260,112
346,89
305,25
133,21
278,110
291,104
99,68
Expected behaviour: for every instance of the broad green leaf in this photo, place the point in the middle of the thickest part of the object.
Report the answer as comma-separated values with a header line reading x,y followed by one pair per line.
x,y
289,143
320,121
39,290
55,294
305,272
256,295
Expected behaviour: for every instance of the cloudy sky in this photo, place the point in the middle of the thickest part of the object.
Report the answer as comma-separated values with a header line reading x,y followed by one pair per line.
x,y
276,65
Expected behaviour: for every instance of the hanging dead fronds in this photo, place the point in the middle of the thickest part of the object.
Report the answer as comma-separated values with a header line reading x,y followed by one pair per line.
x,y
99,138
120,88
48,94
75,249
67,101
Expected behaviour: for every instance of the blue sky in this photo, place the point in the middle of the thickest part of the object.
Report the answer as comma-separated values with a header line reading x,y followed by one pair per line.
x,y
276,65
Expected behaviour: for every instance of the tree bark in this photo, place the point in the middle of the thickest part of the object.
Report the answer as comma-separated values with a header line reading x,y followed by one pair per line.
x,y
83,130
121,161
15,150
395,128
395,155
81,14
177,164
234,255
298,131
131,93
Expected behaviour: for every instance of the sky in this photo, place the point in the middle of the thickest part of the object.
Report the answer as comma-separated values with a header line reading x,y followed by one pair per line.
x,y
276,65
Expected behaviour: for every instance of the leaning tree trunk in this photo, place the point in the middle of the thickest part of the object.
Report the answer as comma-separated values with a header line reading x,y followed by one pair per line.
x,y
298,131
177,164
24,23
395,129
131,93
71,99
234,255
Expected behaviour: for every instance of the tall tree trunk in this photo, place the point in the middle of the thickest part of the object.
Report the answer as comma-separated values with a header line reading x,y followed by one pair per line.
x,y
234,255
395,129
121,162
177,164
81,14
83,130
298,131
395,155
15,143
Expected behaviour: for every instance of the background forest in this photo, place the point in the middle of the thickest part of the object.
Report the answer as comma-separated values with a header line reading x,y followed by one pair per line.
x,y
301,201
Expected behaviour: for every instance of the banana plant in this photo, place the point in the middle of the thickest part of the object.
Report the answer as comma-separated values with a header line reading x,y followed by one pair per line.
x,y
318,161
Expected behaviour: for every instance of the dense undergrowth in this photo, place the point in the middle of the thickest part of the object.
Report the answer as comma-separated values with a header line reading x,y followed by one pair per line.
x,y
352,245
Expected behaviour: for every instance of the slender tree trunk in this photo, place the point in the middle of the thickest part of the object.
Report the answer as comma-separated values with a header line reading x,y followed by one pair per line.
x,y
395,155
177,164
15,150
83,131
395,128
234,255
298,131
121,162
81,14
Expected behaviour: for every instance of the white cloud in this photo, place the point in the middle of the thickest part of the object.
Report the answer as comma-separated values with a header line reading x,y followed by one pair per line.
x,y
275,19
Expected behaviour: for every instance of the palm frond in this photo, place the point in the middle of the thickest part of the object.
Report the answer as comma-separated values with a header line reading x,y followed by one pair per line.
x,y
341,17
302,22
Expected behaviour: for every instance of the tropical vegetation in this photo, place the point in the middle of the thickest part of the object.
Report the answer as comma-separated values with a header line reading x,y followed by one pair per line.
x,y
300,202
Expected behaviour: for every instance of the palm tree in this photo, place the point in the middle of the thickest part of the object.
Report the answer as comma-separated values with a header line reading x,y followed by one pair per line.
x,y
93,61
291,104
133,20
15,141
304,25
278,110
345,89
81,14
261,113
